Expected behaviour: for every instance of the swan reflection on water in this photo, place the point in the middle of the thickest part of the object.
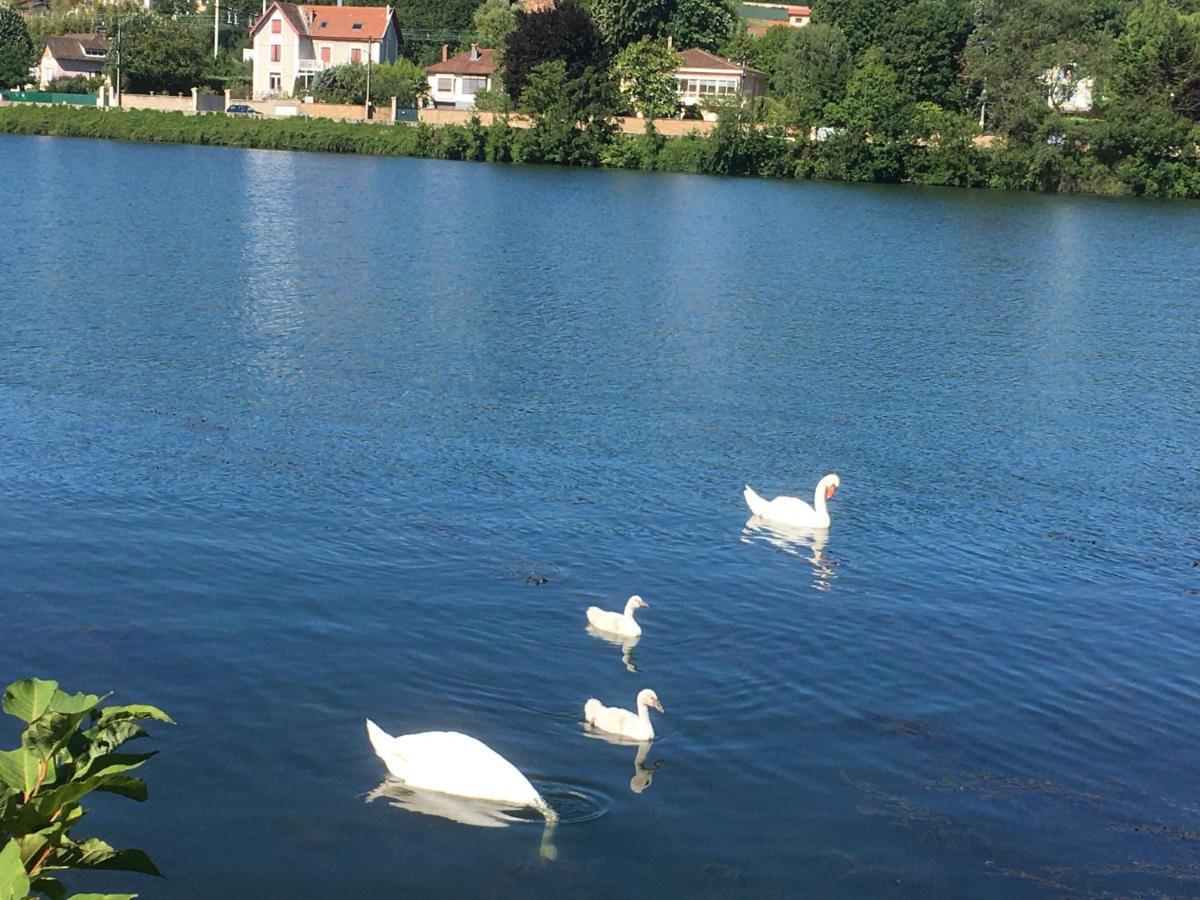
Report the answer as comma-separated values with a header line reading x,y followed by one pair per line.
x,y
806,543
463,810
626,644
642,773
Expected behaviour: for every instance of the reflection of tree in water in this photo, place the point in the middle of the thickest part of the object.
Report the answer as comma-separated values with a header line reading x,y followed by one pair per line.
x,y
1157,857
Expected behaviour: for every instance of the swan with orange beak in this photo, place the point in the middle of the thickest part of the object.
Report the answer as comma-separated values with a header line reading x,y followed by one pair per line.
x,y
794,511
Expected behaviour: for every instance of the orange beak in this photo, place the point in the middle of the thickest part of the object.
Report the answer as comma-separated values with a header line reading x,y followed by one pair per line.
x,y
830,491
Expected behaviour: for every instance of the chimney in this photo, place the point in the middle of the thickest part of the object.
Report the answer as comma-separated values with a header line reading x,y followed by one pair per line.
x,y
474,52
445,52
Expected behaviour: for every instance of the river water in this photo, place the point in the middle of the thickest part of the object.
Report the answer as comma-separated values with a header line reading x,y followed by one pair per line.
x,y
291,440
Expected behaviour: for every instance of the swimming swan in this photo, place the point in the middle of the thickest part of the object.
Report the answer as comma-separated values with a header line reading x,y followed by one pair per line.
x,y
618,623
457,764
621,721
792,510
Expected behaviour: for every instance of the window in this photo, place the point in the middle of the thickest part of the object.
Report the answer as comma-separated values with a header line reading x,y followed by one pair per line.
x,y
473,85
275,81
276,52
276,26
355,55
445,84
325,55
357,26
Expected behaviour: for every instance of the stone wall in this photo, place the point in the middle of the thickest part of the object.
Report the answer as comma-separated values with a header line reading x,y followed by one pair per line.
x,y
629,125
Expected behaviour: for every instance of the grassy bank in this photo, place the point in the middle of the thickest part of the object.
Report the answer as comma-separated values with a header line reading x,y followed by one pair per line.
x,y
1080,159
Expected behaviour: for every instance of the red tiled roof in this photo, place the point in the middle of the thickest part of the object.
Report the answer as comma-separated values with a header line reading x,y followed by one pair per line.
x,y
702,59
464,65
799,11
333,23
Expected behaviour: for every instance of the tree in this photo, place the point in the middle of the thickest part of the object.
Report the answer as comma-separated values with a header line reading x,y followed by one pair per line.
x,y
875,104
646,74
572,117
173,8
811,69
707,24
565,32
16,49
494,20
623,22
924,44
437,15
861,20
1158,59
158,54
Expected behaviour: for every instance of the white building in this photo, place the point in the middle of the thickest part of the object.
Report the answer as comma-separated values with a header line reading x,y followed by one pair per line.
x,y
704,78
456,80
296,41
1066,91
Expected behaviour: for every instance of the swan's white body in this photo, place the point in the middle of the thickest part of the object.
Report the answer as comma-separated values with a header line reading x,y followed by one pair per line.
x,y
454,763
615,622
622,722
793,510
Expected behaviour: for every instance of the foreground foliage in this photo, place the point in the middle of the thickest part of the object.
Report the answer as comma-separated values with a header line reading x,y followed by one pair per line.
x,y
931,146
68,750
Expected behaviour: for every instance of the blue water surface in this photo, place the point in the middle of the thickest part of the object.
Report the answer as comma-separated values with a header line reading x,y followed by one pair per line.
x,y
290,440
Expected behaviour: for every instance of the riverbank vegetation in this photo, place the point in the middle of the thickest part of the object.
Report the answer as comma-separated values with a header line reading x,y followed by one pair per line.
x,y
933,152
69,749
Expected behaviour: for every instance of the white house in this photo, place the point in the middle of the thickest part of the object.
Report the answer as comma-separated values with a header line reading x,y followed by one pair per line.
x,y
456,80
704,76
70,56
296,41
1066,91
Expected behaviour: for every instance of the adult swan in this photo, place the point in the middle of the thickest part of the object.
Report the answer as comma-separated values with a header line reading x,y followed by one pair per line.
x,y
793,510
458,764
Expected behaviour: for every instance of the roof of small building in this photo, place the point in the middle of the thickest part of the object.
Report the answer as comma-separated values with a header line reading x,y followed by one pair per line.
x,y
462,64
333,23
696,58
74,47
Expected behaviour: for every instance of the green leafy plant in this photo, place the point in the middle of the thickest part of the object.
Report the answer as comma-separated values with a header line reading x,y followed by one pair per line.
x,y
68,750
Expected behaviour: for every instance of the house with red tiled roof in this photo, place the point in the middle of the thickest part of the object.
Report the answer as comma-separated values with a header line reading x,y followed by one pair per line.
x,y
760,17
704,79
456,80
294,42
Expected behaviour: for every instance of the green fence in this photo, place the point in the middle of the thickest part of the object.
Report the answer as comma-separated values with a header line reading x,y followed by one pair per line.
x,y
48,97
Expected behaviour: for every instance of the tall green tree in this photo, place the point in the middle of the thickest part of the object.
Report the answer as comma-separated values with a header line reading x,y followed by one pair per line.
x,y
494,21
862,21
924,43
622,22
572,117
646,74
16,49
437,15
565,32
875,105
1157,59
811,69
707,24
159,54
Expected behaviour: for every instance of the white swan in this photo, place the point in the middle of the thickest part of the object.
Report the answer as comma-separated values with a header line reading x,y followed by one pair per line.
x,y
618,623
457,764
621,721
794,511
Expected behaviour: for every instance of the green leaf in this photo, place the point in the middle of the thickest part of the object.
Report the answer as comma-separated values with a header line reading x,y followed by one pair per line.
x,y
70,704
102,897
19,769
14,883
133,711
126,786
28,698
49,802
97,854
114,764
50,733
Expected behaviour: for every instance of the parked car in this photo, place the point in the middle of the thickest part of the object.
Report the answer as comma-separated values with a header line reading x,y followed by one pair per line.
x,y
241,109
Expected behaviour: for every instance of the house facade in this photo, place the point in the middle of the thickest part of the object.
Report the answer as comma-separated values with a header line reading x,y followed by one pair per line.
x,y
292,43
72,56
454,82
706,78
1066,91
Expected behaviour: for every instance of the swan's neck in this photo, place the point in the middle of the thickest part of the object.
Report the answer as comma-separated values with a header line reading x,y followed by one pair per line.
x,y
643,713
629,608
819,500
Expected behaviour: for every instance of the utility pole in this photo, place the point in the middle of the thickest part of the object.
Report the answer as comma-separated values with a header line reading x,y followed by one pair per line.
x,y
367,108
118,62
216,20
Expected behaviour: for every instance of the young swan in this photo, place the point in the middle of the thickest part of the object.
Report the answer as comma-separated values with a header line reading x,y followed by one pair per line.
x,y
621,721
794,511
618,623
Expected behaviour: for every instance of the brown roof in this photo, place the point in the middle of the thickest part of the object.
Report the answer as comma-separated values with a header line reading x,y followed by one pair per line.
x,y
799,11
464,65
702,59
334,23
73,47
